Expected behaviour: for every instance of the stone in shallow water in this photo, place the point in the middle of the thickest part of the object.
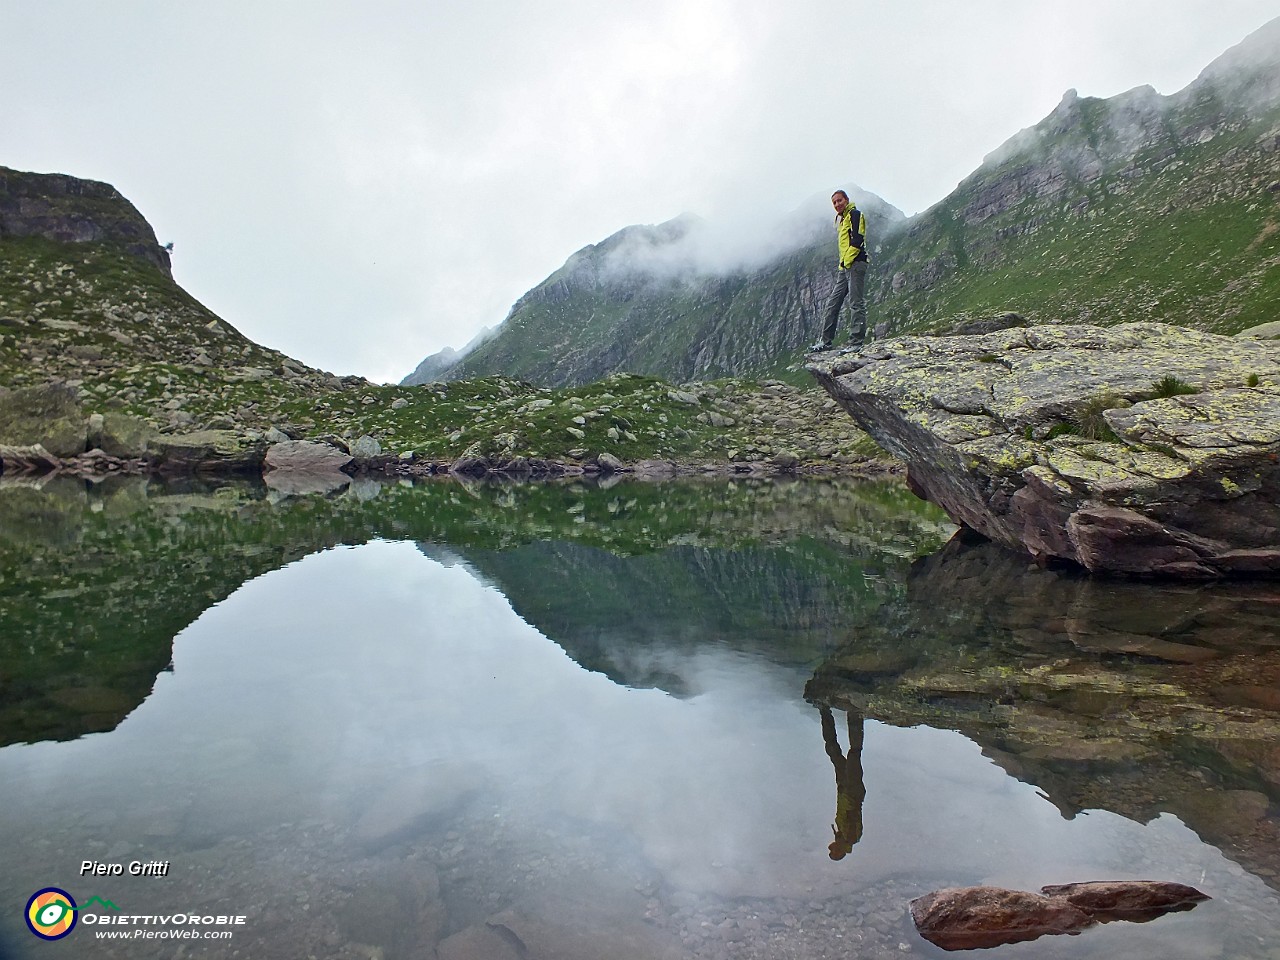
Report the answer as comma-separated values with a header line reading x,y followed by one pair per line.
x,y
481,942
971,918
533,936
1135,900
400,911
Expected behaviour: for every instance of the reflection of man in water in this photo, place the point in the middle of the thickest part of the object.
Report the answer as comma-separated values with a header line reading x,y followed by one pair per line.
x,y
850,790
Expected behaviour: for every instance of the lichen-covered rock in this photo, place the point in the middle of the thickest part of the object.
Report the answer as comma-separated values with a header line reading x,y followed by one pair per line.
x,y
49,415
366,448
1136,449
1263,331
119,435
207,451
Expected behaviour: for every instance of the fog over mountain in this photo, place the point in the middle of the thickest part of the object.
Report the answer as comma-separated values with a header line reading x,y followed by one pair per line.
x,y
742,240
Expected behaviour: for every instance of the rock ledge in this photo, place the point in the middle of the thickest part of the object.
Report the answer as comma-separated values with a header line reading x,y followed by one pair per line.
x,y
1076,443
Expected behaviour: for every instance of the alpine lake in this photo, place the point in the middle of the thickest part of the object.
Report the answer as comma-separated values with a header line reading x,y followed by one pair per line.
x,y
616,720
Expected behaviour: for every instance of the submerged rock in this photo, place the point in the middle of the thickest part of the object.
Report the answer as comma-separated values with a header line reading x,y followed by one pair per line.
x,y
405,805
973,918
397,912
1134,900
1138,449
969,918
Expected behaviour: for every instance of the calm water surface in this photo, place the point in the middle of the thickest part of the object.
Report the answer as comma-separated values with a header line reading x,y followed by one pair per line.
x,y
571,721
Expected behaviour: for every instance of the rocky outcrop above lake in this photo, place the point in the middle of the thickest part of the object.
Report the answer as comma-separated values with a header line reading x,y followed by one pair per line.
x,y
1137,449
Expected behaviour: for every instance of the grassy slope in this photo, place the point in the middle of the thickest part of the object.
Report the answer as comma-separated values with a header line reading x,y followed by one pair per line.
x,y
1193,242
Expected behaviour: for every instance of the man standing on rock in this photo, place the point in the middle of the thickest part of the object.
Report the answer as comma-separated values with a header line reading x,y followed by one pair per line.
x,y
851,277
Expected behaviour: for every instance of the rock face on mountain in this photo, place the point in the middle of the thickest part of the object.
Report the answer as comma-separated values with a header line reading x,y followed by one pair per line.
x,y
71,210
1138,449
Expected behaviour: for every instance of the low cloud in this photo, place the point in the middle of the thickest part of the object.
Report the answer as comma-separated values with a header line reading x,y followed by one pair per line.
x,y
740,241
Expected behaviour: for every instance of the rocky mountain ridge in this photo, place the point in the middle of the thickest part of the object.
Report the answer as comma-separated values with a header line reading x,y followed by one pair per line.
x,y
1137,207
68,209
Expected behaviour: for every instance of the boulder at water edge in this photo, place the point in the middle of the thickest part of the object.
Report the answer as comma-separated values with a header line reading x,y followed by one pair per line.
x,y
1137,449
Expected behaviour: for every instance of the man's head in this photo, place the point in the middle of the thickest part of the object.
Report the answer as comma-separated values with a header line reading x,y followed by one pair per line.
x,y
839,200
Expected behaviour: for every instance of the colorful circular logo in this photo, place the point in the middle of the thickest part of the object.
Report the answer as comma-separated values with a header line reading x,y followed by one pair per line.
x,y
51,913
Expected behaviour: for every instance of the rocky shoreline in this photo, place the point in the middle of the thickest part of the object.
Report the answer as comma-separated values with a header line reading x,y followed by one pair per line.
x,y
95,464
48,428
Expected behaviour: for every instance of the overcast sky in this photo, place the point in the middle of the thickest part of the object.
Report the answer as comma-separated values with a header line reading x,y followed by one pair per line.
x,y
361,184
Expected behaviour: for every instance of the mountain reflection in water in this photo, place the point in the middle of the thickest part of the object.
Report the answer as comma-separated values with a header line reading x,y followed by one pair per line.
x,y
567,720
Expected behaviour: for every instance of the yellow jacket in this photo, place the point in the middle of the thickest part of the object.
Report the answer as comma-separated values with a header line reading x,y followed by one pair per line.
x,y
851,227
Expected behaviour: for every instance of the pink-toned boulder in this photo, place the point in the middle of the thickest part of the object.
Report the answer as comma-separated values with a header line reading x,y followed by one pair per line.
x,y
972,918
1134,900
303,466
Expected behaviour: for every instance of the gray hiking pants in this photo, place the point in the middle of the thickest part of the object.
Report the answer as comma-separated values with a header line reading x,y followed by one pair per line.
x,y
850,283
